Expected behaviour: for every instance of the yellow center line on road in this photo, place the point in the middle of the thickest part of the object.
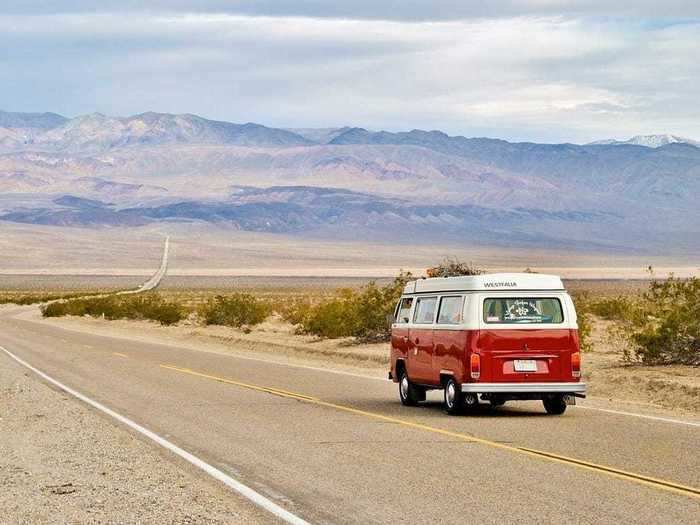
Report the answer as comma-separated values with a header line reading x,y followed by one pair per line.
x,y
267,390
538,454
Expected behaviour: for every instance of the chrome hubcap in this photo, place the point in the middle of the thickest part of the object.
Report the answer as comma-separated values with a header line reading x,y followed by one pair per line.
x,y
450,394
404,387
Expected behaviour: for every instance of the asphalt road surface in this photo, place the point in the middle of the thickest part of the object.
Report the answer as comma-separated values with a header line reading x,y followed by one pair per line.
x,y
336,448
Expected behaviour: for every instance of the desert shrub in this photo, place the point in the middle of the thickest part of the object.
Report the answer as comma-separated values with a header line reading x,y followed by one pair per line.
x,y
331,318
293,311
146,306
451,267
664,326
359,313
582,302
613,308
238,309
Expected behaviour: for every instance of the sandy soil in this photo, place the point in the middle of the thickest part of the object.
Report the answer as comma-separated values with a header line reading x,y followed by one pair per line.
x,y
61,462
676,387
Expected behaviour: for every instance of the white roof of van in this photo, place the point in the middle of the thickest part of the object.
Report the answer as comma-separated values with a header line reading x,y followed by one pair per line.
x,y
489,281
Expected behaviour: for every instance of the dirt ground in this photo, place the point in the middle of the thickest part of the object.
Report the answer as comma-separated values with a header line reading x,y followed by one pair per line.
x,y
62,462
208,251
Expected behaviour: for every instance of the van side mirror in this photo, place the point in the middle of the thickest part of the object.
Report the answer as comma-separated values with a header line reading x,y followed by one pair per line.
x,y
389,319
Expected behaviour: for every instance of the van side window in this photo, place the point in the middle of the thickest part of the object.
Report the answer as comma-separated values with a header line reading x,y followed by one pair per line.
x,y
450,310
404,310
425,310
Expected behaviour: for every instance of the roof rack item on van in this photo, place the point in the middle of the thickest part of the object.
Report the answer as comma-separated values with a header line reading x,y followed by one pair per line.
x,y
492,281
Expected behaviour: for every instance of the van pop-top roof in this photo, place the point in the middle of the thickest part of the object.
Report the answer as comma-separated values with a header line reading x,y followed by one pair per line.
x,y
489,281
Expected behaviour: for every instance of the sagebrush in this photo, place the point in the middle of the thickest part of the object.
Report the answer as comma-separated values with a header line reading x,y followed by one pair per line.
x,y
147,306
237,310
664,325
362,313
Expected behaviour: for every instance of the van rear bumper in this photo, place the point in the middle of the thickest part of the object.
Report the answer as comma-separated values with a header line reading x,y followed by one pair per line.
x,y
525,388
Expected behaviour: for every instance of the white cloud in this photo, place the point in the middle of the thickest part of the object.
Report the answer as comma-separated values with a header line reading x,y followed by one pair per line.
x,y
538,78
416,10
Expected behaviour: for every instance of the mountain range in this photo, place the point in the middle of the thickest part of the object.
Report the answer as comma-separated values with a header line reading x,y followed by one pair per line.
x,y
347,182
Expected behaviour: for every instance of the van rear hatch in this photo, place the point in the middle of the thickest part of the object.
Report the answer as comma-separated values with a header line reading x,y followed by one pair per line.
x,y
525,339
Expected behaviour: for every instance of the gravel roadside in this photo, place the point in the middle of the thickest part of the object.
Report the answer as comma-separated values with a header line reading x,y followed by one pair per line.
x,y
60,462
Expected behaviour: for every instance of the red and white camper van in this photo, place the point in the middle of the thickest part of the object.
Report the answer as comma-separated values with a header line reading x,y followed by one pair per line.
x,y
493,337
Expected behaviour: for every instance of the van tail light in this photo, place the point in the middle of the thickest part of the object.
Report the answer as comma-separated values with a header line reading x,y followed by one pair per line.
x,y
576,364
475,366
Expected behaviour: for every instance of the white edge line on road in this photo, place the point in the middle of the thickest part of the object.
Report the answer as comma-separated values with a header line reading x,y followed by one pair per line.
x,y
645,416
237,486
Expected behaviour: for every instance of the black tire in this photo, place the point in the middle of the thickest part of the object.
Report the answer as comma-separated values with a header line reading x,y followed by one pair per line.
x,y
454,400
409,393
554,405
497,401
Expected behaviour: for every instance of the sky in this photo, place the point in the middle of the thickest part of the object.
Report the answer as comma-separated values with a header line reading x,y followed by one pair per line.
x,y
522,70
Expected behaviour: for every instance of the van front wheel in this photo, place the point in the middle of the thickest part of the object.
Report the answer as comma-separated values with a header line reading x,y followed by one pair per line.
x,y
409,393
554,405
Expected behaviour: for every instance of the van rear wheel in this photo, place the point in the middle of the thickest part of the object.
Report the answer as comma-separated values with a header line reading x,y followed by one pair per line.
x,y
409,393
554,405
454,400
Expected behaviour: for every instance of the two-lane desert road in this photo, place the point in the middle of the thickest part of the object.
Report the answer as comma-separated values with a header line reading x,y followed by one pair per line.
x,y
335,448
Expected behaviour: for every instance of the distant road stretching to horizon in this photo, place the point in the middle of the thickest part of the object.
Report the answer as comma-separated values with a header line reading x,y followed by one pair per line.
x,y
154,281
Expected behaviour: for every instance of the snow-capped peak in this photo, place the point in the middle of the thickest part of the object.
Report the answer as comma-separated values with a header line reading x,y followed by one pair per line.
x,y
650,141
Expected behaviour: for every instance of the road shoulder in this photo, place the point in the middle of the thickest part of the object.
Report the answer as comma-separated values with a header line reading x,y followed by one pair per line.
x,y
62,462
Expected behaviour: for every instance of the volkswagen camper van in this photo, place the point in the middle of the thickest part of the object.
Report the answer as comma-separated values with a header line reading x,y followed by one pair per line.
x,y
487,338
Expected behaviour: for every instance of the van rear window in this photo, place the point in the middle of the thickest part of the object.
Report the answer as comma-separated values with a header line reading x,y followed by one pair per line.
x,y
523,310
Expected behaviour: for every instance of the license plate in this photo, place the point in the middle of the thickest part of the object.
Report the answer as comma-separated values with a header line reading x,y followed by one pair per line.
x,y
525,365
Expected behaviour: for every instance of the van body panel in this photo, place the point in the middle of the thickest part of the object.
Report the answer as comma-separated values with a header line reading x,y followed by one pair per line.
x,y
450,353
399,345
551,350
420,355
